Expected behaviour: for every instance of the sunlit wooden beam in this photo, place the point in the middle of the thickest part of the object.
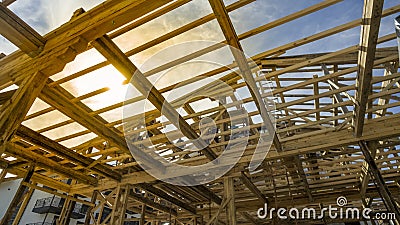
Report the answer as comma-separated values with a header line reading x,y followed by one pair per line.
x,y
62,151
14,110
20,33
122,63
370,24
232,39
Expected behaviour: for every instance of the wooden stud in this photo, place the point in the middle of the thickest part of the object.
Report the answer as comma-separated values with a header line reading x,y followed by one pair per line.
x,y
365,176
25,201
372,14
142,215
229,193
90,208
316,101
120,204
232,39
246,180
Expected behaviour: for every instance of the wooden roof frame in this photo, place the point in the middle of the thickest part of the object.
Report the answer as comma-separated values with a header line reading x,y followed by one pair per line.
x,y
301,133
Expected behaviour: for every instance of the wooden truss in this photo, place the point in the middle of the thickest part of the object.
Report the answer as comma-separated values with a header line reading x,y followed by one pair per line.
x,y
337,120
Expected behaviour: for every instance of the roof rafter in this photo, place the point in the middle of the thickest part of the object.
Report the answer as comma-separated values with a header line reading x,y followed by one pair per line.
x,y
75,112
232,39
122,63
20,33
60,150
12,112
371,21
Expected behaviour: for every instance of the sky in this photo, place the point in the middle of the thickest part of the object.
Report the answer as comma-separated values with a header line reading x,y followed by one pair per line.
x,y
45,15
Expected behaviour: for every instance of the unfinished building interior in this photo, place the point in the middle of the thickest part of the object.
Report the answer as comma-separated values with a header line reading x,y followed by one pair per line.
x,y
65,156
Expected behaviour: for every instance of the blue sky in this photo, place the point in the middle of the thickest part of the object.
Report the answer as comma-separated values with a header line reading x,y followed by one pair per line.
x,y
45,15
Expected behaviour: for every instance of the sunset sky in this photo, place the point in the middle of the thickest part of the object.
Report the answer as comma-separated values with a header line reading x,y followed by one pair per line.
x,y
45,15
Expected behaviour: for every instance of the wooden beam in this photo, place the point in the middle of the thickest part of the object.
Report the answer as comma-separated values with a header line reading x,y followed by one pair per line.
x,y
316,101
89,210
152,204
20,33
98,21
371,20
50,191
62,151
24,203
167,197
72,110
190,110
12,112
232,39
365,176
333,86
211,16
122,63
207,193
5,96
66,211
376,129
382,187
49,164
253,188
250,33
120,204
250,218
7,2
390,68
303,177
229,193
142,215
397,27
17,197
224,203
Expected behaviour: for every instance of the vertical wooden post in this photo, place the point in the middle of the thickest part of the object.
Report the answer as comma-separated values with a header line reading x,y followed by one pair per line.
x,y
119,207
18,196
67,209
316,101
336,109
3,174
24,203
89,212
195,220
223,126
229,192
372,13
66,212
142,215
